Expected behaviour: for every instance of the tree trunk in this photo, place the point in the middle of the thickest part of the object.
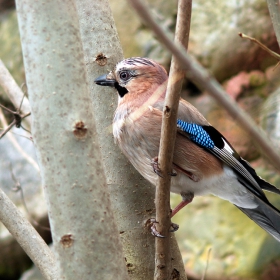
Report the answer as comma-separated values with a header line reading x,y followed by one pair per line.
x,y
85,236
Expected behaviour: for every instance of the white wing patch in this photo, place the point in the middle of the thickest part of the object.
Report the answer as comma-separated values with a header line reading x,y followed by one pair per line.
x,y
226,155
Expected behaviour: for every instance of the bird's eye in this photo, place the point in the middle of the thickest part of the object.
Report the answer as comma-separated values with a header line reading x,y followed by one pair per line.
x,y
124,75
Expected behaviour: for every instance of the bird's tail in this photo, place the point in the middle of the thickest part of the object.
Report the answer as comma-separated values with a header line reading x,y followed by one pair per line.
x,y
266,216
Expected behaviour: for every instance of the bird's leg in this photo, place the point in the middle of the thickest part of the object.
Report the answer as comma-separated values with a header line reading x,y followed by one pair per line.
x,y
187,198
192,176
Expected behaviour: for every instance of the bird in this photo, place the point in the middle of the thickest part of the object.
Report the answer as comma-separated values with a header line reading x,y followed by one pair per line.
x,y
204,162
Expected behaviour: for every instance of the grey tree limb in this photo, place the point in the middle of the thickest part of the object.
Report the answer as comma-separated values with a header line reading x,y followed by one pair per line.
x,y
28,238
13,91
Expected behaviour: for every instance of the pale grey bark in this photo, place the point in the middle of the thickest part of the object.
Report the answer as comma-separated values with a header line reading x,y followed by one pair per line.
x,y
273,7
131,195
85,236
13,90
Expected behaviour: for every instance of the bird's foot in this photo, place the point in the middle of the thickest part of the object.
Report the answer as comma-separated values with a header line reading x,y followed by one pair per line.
x,y
154,231
155,166
174,227
157,170
152,222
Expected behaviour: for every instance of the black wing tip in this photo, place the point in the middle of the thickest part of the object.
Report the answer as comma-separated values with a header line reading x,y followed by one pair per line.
x,y
266,216
262,183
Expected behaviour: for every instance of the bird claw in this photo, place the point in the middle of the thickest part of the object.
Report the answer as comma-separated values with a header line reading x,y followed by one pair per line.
x,y
155,232
155,166
173,227
157,170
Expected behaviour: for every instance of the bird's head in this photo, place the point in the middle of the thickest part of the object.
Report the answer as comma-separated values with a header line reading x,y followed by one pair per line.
x,y
134,76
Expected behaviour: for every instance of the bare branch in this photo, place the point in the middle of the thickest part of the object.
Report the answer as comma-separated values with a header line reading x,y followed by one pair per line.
x,y
7,128
11,88
203,80
27,237
168,136
17,119
254,40
15,143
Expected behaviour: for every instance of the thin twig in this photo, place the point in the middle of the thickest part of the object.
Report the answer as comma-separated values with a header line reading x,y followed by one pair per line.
x,y
207,264
168,136
15,142
7,109
254,40
205,81
17,120
7,128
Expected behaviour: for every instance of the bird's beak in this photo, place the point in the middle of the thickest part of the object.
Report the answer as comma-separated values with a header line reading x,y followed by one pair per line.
x,y
106,80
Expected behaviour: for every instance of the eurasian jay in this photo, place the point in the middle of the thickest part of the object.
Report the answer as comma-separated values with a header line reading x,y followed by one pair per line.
x,y
204,161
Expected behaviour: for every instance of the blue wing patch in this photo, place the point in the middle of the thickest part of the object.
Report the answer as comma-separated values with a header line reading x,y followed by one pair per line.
x,y
197,134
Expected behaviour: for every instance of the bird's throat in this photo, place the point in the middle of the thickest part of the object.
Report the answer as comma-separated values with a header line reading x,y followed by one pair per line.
x,y
121,90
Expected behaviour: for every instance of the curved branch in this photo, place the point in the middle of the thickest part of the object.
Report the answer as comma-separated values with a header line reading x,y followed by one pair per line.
x,y
28,238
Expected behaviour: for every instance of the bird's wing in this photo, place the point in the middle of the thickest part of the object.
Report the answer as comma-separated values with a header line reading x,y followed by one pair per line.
x,y
188,157
265,215
193,126
207,137
213,141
